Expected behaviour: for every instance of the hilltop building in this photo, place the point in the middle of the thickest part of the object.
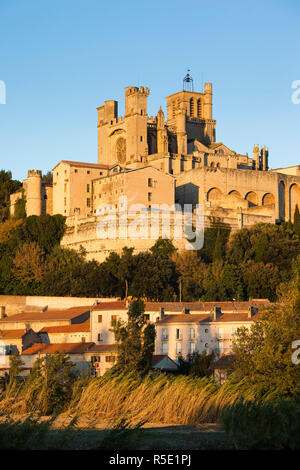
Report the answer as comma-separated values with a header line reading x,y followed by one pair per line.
x,y
167,159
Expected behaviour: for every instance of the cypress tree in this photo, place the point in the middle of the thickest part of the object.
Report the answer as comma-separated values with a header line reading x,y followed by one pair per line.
x,y
297,221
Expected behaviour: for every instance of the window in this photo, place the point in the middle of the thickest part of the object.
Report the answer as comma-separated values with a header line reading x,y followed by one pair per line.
x,y
95,358
65,201
164,333
192,348
164,348
113,320
206,345
99,318
191,107
110,358
220,333
87,188
88,172
178,348
150,182
146,316
88,202
220,348
101,173
76,171
178,333
141,138
83,339
100,337
206,330
192,333
65,187
199,108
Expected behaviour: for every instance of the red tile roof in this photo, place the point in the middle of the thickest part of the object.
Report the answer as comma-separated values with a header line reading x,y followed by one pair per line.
x,y
12,334
84,164
203,317
69,348
229,306
103,348
76,327
67,314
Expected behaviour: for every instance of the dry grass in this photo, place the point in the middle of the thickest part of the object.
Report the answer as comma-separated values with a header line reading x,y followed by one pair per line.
x,y
160,399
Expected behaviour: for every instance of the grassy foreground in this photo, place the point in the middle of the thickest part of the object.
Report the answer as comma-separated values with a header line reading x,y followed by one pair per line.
x,y
155,398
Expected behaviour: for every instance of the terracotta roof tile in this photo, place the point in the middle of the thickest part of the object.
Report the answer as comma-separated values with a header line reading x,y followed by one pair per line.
x,y
12,334
102,348
84,164
80,327
69,348
204,307
202,317
67,314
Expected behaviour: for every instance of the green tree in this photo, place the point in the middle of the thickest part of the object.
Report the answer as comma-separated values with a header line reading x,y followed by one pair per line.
x,y
50,383
8,186
20,207
163,248
15,367
135,340
297,221
264,353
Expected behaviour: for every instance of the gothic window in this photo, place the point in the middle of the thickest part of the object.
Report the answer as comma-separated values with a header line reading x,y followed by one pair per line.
x,y
173,108
199,108
191,107
121,150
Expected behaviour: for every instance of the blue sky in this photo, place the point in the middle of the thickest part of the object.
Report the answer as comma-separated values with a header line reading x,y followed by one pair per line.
x,y
60,59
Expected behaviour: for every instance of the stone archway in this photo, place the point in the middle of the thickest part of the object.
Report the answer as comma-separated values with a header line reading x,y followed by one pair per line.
x,y
234,192
214,196
268,199
294,199
252,199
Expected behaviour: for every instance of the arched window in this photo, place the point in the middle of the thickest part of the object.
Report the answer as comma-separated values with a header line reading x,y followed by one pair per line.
x,y
173,108
199,108
191,107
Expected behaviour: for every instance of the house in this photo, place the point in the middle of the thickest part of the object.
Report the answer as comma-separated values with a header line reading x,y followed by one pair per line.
x,y
39,320
188,333
221,367
74,333
16,341
163,363
101,357
76,352
105,314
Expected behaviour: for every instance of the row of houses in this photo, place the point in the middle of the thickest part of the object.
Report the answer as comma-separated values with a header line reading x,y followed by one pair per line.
x,y
84,333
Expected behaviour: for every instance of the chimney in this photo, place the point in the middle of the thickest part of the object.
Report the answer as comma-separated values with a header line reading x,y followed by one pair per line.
x,y
162,313
216,313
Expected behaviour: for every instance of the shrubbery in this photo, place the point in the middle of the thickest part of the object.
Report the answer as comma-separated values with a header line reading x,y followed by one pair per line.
x,y
263,425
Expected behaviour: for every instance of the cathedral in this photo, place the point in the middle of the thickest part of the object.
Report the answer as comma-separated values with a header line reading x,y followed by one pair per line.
x,y
165,159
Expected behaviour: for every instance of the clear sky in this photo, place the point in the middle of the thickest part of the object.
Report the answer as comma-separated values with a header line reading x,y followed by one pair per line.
x,y
60,59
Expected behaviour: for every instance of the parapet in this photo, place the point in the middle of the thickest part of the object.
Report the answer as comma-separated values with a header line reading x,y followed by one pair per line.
x,y
37,173
132,90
